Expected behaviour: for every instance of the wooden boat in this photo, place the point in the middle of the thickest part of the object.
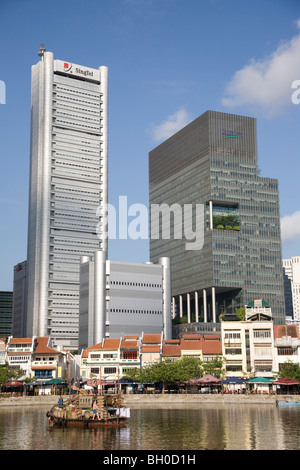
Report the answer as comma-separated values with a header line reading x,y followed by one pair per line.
x,y
286,401
78,412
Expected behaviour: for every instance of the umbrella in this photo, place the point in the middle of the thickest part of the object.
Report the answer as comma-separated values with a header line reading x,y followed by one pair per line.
x,y
260,380
208,379
55,382
233,380
286,381
13,383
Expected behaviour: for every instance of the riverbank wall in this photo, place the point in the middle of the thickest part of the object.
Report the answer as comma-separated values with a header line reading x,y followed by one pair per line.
x,y
149,400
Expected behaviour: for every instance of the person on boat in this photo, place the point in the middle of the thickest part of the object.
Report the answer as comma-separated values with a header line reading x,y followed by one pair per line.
x,y
95,410
60,401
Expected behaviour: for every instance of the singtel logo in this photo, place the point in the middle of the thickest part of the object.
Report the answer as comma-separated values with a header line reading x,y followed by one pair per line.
x,y
68,68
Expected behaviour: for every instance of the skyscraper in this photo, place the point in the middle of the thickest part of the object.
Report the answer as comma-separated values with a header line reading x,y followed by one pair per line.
x,y
291,272
68,183
212,163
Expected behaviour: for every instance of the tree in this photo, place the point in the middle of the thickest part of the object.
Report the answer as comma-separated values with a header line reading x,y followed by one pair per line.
x,y
7,373
291,370
165,372
214,367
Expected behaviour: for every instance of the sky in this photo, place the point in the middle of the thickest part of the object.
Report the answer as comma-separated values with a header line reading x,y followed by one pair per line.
x,y
168,62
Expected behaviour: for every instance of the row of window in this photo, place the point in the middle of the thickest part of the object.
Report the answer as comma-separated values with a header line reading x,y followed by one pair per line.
x,y
76,91
134,284
72,99
125,310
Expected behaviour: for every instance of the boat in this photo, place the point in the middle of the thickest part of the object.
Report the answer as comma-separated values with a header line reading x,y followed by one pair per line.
x,y
78,412
286,401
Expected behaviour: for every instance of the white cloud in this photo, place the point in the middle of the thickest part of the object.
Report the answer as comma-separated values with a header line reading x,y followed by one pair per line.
x,y
266,84
170,126
290,226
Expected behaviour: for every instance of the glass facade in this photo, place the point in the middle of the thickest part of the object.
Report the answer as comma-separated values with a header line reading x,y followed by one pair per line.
x,y
6,302
213,161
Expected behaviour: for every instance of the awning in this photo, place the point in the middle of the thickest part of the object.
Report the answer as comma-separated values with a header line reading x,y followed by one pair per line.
x,y
286,381
233,380
13,383
260,380
55,382
209,380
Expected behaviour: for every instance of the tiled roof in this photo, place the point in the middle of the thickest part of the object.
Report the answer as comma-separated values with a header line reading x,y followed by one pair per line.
x,y
286,330
171,350
20,340
151,348
42,346
212,346
151,339
129,344
111,343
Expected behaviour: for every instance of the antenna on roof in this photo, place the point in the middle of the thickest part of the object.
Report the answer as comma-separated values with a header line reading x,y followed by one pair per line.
x,y
42,50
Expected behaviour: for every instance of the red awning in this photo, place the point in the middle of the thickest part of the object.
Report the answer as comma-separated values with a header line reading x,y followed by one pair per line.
x,y
286,381
13,383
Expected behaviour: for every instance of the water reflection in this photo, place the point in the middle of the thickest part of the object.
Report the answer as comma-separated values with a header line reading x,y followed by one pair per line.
x,y
205,427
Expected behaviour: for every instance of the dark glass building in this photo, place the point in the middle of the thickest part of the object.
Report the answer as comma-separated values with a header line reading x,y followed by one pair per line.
x,y
6,301
212,163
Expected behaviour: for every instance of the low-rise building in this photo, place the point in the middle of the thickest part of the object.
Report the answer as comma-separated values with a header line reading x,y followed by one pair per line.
x,y
248,347
151,348
19,352
286,345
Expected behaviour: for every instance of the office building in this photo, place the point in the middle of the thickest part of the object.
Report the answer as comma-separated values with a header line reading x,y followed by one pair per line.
x,y
120,298
6,301
291,274
210,167
19,300
68,185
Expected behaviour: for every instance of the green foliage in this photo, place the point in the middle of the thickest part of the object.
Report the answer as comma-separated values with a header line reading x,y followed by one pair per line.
x,y
240,313
169,372
179,321
291,370
7,373
214,367
226,220
133,374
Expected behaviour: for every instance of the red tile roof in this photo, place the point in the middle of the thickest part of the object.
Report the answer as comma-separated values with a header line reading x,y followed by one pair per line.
x,y
151,339
42,346
286,330
20,340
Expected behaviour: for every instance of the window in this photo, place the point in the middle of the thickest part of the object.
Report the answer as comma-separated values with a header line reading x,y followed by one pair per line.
x,y
110,370
130,355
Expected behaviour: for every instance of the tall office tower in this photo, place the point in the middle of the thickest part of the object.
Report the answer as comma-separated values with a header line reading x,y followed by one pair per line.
x,y
19,300
211,167
68,183
6,302
291,271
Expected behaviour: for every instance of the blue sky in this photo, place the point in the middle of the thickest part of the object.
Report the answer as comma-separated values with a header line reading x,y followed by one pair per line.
x,y
169,61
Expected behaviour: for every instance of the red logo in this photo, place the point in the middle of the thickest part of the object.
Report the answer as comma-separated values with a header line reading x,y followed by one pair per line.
x,y
67,67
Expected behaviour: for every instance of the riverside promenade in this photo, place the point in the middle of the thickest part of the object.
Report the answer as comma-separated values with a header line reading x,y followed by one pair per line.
x,y
157,400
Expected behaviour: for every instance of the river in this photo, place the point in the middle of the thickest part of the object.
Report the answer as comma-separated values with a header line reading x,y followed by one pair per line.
x,y
196,427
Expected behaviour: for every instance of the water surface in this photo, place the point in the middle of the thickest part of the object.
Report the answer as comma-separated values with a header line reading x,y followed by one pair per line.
x,y
203,427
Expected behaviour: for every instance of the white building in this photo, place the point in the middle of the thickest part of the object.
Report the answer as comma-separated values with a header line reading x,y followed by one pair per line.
x,y
248,348
120,298
68,183
291,270
286,345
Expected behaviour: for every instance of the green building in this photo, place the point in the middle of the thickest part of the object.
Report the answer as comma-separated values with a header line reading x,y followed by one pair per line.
x,y
6,302
212,164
